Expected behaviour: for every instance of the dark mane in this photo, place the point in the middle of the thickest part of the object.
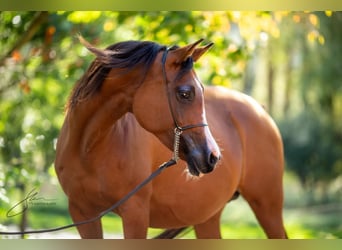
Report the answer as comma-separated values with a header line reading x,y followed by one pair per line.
x,y
123,55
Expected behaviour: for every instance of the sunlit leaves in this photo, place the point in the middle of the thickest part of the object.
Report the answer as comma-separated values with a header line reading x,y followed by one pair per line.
x,y
313,20
217,21
109,26
328,13
84,16
313,36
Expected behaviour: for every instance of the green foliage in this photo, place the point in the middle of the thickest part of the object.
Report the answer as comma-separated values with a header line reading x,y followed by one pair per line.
x,y
312,150
312,136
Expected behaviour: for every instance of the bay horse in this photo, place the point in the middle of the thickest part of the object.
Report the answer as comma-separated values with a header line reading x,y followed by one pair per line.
x,y
119,127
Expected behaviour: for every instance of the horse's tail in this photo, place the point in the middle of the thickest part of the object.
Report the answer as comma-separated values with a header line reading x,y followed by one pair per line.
x,y
170,233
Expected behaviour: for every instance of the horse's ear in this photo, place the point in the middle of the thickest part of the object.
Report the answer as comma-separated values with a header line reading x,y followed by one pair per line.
x,y
184,52
200,51
103,55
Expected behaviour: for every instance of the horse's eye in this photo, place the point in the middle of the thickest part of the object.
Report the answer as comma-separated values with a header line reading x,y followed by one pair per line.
x,y
185,93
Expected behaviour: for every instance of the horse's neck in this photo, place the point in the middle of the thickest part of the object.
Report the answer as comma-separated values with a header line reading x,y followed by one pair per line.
x,y
89,123
91,120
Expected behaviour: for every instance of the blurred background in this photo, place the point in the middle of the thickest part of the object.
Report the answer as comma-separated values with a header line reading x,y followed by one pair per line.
x,y
291,62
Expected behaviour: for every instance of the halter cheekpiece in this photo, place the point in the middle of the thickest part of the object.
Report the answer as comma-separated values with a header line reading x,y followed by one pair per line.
x,y
178,129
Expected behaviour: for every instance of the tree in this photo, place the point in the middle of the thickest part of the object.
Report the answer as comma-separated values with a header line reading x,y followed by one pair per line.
x,y
312,137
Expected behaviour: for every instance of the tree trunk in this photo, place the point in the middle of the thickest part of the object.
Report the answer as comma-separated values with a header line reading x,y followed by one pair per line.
x,y
23,219
270,87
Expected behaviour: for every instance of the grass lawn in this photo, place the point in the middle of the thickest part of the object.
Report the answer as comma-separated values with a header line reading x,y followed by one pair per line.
x,y
238,221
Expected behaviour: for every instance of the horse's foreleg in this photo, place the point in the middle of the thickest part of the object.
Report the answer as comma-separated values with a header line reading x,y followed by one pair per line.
x,y
87,231
135,219
209,229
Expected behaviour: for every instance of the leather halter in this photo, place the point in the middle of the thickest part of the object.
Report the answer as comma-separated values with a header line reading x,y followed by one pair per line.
x,y
178,129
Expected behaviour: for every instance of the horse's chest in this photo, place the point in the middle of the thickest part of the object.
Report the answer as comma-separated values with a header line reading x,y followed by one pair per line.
x,y
182,201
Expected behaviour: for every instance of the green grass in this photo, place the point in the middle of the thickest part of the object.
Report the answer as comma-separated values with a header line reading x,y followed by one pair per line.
x,y
238,222
322,221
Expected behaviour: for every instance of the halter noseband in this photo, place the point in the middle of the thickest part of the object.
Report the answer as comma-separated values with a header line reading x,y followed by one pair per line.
x,y
178,129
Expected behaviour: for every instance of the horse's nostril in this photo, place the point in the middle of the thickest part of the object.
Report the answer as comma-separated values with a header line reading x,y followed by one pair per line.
x,y
212,159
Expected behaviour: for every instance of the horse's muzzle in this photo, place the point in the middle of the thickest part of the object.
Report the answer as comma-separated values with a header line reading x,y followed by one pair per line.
x,y
202,161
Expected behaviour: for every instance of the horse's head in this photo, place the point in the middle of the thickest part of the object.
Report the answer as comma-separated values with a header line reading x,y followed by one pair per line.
x,y
170,100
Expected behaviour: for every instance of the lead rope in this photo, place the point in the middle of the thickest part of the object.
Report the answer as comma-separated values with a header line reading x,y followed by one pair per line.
x,y
154,174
